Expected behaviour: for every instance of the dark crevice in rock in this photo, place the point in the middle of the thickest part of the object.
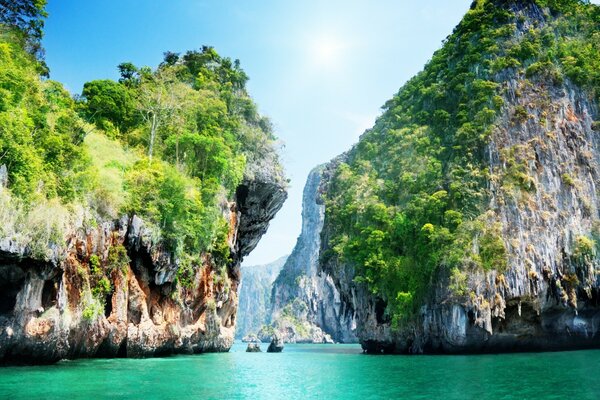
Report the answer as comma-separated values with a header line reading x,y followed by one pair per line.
x,y
122,352
12,279
108,306
380,307
50,293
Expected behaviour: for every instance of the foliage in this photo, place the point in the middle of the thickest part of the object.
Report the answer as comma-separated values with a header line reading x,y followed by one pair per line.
x,y
111,162
92,309
39,227
40,132
27,16
185,271
567,179
109,105
117,259
197,128
584,248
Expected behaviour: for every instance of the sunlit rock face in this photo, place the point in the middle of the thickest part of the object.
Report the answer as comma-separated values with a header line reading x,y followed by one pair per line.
x,y
548,297
47,311
255,297
305,304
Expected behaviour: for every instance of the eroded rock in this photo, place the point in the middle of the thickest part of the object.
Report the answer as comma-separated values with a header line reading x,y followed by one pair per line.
x,y
48,311
276,345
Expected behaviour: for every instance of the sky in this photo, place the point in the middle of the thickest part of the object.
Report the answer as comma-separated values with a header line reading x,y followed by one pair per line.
x,y
320,69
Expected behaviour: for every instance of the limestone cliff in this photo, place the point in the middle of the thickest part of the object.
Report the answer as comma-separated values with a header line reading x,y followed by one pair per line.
x,y
523,274
47,311
305,304
255,296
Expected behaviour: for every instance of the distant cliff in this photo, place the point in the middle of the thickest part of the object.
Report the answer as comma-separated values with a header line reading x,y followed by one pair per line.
x,y
467,219
305,305
255,296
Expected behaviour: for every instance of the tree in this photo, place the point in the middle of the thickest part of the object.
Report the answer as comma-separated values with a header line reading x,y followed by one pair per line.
x,y
161,96
109,100
130,75
28,17
170,58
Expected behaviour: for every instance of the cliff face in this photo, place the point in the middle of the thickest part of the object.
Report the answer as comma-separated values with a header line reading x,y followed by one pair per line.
x,y
255,296
537,286
305,304
48,312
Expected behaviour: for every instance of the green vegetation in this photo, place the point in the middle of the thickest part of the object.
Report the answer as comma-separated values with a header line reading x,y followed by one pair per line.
x,y
585,248
40,131
293,315
189,128
567,179
169,145
411,197
26,18
117,259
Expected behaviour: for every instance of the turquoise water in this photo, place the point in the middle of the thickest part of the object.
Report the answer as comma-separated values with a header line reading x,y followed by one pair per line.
x,y
312,372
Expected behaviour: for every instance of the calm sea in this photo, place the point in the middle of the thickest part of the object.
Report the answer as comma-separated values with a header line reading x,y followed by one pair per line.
x,y
312,372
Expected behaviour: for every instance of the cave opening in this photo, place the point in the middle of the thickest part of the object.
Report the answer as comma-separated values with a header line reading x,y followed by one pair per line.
x,y
8,300
108,305
12,279
241,194
380,314
122,352
49,294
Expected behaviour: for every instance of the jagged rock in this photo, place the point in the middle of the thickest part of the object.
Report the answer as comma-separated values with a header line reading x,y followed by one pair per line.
x,y
253,347
47,311
276,345
537,303
305,304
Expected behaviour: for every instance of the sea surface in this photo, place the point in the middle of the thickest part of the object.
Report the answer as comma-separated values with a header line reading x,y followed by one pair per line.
x,y
312,372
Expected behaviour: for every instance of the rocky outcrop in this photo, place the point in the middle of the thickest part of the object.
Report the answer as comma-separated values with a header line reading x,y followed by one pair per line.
x,y
250,338
276,345
305,304
253,347
49,305
255,297
548,298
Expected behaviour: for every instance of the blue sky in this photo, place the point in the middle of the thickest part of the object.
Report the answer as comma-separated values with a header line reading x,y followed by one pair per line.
x,y
319,69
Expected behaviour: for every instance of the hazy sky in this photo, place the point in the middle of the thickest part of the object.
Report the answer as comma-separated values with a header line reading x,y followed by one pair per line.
x,y
320,69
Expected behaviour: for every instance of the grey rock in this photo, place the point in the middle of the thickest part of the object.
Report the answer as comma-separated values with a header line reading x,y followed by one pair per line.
x,y
251,338
253,348
305,304
3,176
276,345
255,297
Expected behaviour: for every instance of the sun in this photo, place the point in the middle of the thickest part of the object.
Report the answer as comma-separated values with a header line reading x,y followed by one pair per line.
x,y
326,51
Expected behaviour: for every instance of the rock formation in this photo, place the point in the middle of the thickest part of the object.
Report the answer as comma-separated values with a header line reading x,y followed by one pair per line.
x,y
276,345
305,304
255,297
538,287
253,347
47,311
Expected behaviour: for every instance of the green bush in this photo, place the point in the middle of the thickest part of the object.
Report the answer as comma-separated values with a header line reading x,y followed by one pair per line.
x,y
584,248
117,259
51,162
